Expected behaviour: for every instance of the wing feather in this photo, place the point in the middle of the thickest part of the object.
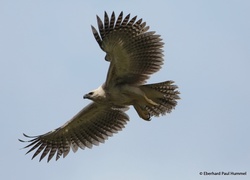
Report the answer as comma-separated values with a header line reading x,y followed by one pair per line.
x,y
125,21
52,152
134,52
45,151
132,21
106,21
112,21
119,20
91,126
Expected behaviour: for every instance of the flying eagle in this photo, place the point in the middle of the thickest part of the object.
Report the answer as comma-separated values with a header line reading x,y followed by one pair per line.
x,y
134,53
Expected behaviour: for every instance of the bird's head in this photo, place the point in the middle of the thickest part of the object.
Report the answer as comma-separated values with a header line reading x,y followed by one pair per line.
x,y
90,95
95,95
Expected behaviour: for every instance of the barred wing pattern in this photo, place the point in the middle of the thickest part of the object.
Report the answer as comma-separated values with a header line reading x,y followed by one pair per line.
x,y
133,51
91,126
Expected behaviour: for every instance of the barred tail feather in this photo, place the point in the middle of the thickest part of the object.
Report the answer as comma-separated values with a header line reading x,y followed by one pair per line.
x,y
164,95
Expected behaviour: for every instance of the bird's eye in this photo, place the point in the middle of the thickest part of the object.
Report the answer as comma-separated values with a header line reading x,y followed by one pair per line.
x,y
91,93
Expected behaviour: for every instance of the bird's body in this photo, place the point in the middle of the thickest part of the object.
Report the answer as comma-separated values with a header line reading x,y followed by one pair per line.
x,y
123,95
134,53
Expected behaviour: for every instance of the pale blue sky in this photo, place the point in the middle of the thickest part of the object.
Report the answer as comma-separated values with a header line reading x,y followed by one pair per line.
x,y
49,59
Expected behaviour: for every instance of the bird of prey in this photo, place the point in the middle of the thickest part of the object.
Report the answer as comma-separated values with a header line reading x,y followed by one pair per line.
x,y
134,53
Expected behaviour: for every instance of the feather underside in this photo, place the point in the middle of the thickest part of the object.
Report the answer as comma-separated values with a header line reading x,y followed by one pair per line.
x,y
91,126
134,52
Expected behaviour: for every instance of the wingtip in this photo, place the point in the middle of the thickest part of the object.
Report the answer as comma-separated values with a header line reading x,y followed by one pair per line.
x,y
105,13
93,28
25,135
21,140
121,13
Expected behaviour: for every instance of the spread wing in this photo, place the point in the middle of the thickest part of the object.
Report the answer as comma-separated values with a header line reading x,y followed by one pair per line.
x,y
133,51
91,126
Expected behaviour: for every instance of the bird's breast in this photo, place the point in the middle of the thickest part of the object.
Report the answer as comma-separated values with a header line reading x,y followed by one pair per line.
x,y
124,95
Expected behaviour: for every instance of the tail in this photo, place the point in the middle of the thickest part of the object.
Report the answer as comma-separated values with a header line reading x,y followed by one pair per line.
x,y
162,99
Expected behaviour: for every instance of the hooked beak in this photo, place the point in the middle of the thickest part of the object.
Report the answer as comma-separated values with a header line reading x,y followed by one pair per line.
x,y
86,96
